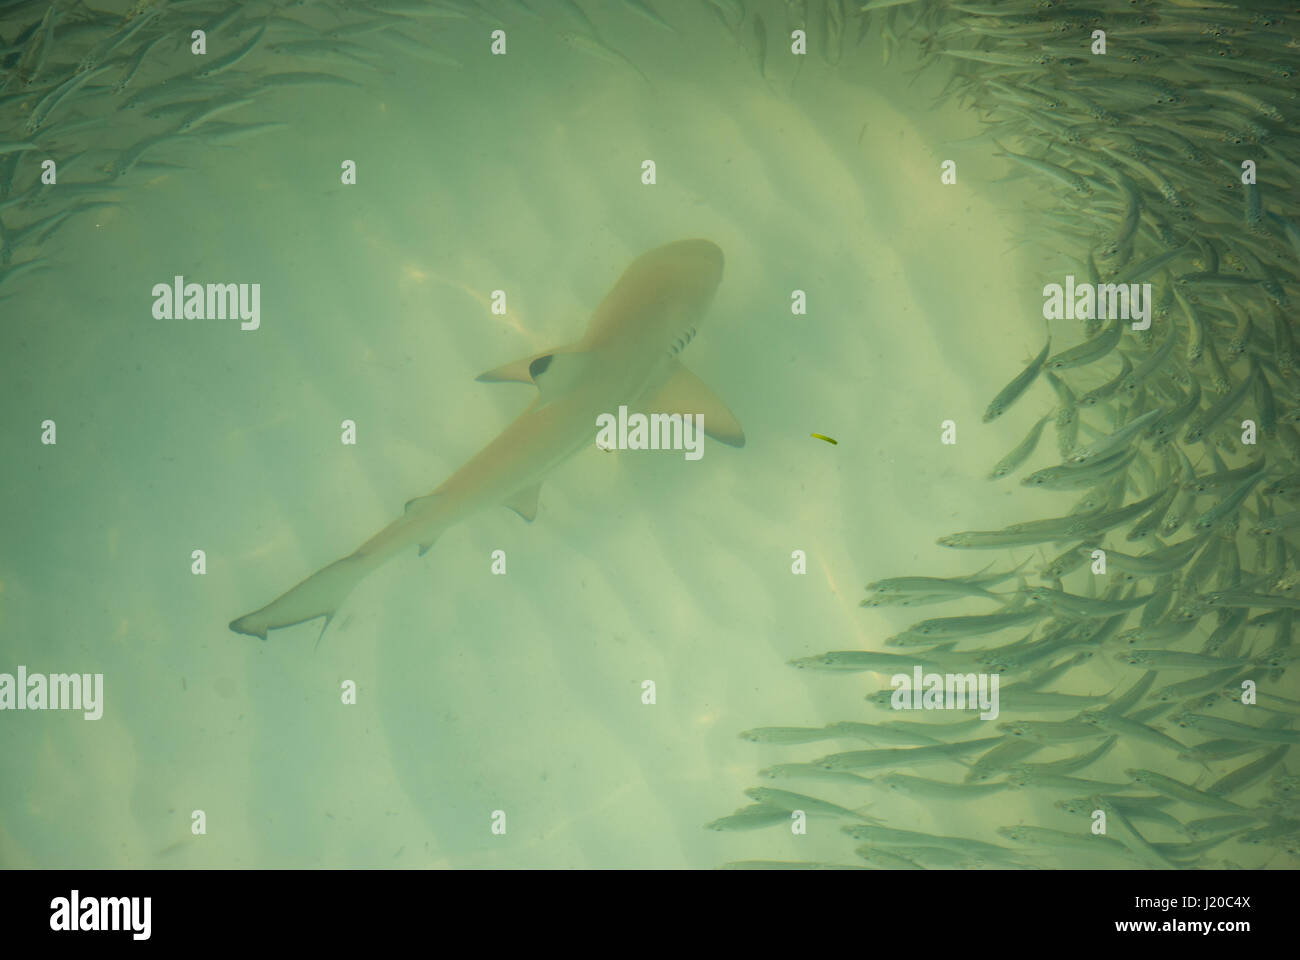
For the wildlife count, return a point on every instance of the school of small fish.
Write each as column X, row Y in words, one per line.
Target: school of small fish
column 1180, row 441
column 116, row 95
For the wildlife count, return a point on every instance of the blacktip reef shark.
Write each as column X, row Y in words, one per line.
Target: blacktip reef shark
column 627, row 356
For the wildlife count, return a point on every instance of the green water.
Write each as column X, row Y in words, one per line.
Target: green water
column 479, row 694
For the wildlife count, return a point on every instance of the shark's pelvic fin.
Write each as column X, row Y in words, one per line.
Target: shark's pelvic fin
column 524, row 502
column 684, row 393
column 417, row 501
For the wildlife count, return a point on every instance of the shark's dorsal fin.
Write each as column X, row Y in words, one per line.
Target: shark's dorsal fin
column 524, row 502
column 684, row 392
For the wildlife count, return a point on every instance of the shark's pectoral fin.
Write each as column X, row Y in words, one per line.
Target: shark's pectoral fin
column 516, row 371
column 524, row 502
column 559, row 372
column 685, row 393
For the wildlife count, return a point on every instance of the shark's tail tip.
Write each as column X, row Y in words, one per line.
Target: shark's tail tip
column 240, row 626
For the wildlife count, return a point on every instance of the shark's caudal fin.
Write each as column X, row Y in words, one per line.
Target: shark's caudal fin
column 320, row 595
